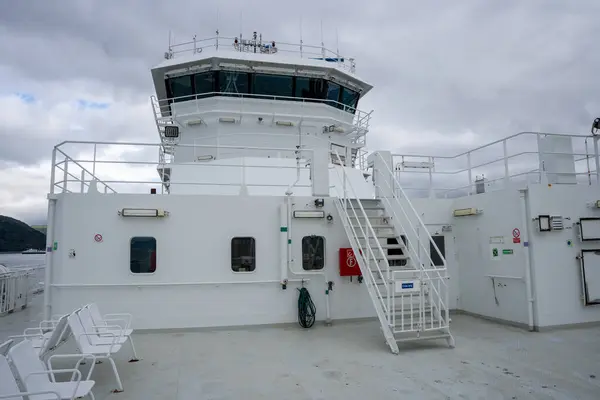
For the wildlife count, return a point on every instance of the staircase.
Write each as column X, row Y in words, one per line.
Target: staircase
column 410, row 295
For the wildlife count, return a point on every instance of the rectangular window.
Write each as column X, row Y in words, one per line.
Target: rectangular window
column 273, row 85
column 333, row 93
column 349, row 99
column 243, row 254
column 310, row 88
column 142, row 255
column 313, row 252
column 204, row 82
column 181, row 86
column 233, row 82
column 441, row 244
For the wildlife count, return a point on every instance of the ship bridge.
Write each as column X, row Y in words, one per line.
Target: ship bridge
column 217, row 94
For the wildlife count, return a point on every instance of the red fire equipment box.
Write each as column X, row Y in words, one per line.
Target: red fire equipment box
column 348, row 264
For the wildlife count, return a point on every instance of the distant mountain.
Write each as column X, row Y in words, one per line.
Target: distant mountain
column 18, row 236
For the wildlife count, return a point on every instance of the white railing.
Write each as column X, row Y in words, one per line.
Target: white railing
column 357, row 225
column 164, row 113
column 260, row 46
column 76, row 174
column 521, row 166
column 18, row 286
column 410, row 224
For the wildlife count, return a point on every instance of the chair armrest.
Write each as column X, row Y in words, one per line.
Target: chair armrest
column 128, row 317
column 125, row 322
column 79, row 357
column 34, row 329
column 23, row 336
column 51, row 372
column 113, row 327
column 96, row 334
column 21, row 394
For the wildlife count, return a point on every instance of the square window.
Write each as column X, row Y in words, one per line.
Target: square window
column 142, row 255
column 243, row 254
column 313, row 252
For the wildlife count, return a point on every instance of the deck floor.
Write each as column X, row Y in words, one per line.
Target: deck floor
column 350, row 360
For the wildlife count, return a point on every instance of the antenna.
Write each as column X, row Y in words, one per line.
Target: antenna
column 322, row 44
column 337, row 43
column 300, row 36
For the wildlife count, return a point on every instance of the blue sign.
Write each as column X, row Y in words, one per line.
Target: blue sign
column 407, row 285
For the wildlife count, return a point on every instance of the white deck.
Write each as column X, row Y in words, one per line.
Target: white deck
column 350, row 360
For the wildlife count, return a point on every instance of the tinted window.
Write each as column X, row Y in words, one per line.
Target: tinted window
column 310, row 88
column 313, row 252
column 181, row 86
column 142, row 255
column 273, row 85
column 349, row 99
column 204, row 82
column 333, row 92
column 243, row 254
column 233, row 82
column 441, row 244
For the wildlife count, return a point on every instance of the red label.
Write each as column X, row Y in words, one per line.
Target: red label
column 516, row 240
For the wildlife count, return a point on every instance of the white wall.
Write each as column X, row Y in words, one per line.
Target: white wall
column 501, row 214
column 194, row 245
column 557, row 274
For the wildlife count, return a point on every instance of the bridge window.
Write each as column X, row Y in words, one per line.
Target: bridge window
column 310, row 88
column 181, row 86
column 243, row 254
column 233, row 82
column 142, row 255
column 204, row 82
column 273, row 85
column 349, row 99
column 333, row 93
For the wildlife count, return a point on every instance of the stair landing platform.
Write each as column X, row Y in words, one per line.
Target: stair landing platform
column 349, row 360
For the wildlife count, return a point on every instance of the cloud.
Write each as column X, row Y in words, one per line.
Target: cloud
column 447, row 75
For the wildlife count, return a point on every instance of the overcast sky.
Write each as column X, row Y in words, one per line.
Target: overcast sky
column 447, row 74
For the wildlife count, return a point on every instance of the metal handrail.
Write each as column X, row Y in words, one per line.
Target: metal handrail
column 370, row 231
column 162, row 107
column 196, row 46
column 431, row 170
column 422, row 225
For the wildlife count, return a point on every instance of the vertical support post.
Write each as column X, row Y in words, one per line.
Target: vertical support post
column 49, row 266
column 470, row 173
column 540, row 158
column 431, row 196
column 65, row 174
column 82, row 181
column 597, row 159
column 94, row 163
column 382, row 170
column 53, row 171
column 506, row 176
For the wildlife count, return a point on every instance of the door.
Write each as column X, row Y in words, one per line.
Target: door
column 443, row 237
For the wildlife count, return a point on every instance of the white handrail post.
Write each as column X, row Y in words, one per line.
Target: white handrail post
column 506, row 176
column 65, row 174
column 94, row 163
column 597, row 159
column 470, row 173
column 431, row 196
column 53, row 171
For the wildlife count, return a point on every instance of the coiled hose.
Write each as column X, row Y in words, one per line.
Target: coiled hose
column 306, row 309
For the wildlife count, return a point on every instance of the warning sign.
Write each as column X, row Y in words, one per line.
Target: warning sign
column 516, row 233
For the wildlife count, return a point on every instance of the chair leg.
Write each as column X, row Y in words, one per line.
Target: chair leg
column 135, row 356
column 91, row 395
column 119, row 384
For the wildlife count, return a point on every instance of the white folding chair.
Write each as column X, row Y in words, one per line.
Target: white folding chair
column 104, row 331
column 4, row 347
column 86, row 345
column 10, row 390
column 37, row 378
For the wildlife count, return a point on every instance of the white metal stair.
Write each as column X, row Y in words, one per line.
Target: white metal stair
column 409, row 295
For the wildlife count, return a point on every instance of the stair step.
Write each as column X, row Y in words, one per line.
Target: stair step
column 376, row 226
column 385, row 245
column 379, row 235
